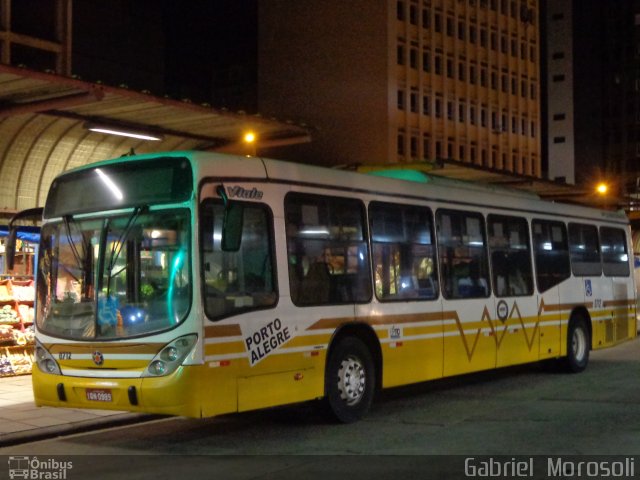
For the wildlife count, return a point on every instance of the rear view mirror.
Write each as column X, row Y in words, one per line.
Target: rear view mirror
column 232, row 222
column 232, row 227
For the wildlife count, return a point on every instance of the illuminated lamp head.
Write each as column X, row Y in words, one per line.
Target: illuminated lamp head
column 132, row 316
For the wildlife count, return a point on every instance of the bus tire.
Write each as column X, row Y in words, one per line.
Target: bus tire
column 349, row 380
column 578, row 345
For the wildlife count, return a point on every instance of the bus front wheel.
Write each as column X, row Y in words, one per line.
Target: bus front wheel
column 350, row 380
column 578, row 345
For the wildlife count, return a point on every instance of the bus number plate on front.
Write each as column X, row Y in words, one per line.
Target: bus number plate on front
column 98, row 395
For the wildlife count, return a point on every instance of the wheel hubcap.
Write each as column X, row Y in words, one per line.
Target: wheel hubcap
column 351, row 380
column 579, row 344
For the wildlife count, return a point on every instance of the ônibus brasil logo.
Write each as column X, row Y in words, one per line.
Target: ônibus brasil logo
column 36, row 469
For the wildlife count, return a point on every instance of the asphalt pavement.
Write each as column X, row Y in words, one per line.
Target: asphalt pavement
column 21, row 421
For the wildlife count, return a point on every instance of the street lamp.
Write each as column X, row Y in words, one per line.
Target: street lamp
column 249, row 139
column 602, row 191
column 602, row 188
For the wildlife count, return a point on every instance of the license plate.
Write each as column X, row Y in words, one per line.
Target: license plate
column 98, row 395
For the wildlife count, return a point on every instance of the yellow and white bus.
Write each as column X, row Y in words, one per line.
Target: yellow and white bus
column 197, row 284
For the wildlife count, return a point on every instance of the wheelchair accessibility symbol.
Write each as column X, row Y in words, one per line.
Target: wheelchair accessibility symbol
column 588, row 291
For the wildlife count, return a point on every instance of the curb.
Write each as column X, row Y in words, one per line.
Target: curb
column 37, row 434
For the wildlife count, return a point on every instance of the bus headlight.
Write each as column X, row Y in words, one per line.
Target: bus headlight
column 157, row 368
column 46, row 362
column 171, row 356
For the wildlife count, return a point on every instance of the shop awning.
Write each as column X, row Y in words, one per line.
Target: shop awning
column 26, row 234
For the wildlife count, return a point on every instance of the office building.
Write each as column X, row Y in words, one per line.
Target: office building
column 592, row 76
column 406, row 80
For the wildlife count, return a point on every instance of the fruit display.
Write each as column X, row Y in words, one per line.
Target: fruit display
column 17, row 334
column 23, row 291
column 26, row 313
column 5, row 366
column 5, row 291
column 30, row 334
column 8, row 315
column 21, row 361
column 6, row 334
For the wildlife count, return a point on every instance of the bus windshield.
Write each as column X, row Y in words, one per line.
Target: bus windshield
column 114, row 277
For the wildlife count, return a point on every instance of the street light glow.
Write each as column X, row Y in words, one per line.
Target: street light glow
column 601, row 188
column 249, row 137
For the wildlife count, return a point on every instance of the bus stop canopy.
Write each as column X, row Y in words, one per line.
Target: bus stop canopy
column 547, row 189
column 45, row 122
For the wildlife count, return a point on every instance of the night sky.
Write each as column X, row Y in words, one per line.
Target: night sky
column 205, row 50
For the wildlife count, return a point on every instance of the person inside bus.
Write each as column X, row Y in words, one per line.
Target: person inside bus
column 473, row 285
column 520, row 280
column 510, row 274
column 407, row 279
column 500, row 264
column 316, row 285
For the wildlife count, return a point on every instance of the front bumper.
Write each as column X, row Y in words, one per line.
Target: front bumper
column 175, row 394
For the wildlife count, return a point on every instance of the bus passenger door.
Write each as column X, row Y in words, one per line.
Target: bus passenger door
column 515, row 318
column 469, row 344
column 553, row 275
column 622, row 308
column 550, row 323
column 598, row 295
column 467, row 305
column 619, row 304
column 517, row 328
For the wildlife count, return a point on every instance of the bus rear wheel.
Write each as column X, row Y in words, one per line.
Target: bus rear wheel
column 578, row 345
column 349, row 380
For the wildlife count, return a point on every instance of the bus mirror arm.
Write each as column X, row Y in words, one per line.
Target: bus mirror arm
column 232, row 223
column 10, row 249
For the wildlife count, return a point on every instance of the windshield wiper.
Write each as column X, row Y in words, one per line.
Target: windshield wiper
column 117, row 247
column 67, row 219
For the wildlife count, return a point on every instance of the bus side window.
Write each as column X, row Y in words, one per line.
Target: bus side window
column 615, row 258
column 326, row 250
column 584, row 249
column 551, row 251
column 462, row 254
column 240, row 280
column 510, row 256
column 404, row 257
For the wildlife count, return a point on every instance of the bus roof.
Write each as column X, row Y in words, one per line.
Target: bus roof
column 392, row 182
column 422, row 177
